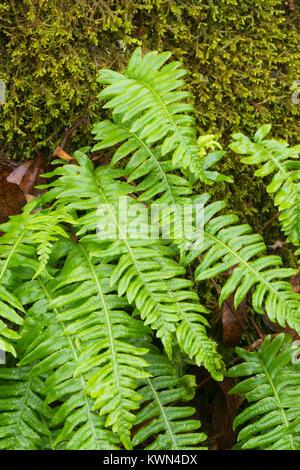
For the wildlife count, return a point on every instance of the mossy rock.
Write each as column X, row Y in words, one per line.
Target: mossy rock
column 243, row 59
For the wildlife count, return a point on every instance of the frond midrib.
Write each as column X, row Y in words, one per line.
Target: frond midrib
column 24, row 399
column 11, row 254
column 165, row 109
column 109, row 329
column 163, row 414
column 284, row 418
column 124, row 239
column 87, row 406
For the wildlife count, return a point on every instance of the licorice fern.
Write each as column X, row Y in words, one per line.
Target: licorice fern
column 161, row 414
column 24, row 234
column 153, row 287
column 147, row 108
column 227, row 245
column 142, row 121
column 89, row 329
column 274, row 389
column 74, row 423
column 277, row 157
column 83, row 291
column 24, row 415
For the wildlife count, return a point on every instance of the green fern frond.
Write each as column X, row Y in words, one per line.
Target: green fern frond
column 148, row 109
column 158, row 183
column 144, row 269
column 274, row 388
column 23, row 414
column 167, row 424
column 46, row 229
column 276, row 157
column 53, row 352
column 226, row 245
column 90, row 330
column 23, row 234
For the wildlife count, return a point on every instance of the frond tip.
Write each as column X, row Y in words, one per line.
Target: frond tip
column 148, row 110
column 274, row 388
column 160, row 420
column 277, row 158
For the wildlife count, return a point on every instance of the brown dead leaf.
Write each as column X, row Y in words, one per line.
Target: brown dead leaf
column 59, row 152
column 295, row 281
column 18, row 173
column 26, row 176
column 233, row 321
column 12, row 198
column 279, row 329
column 223, row 414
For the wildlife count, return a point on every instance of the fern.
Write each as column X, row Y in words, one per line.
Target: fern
column 226, row 246
column 274, row 417
column 134, row 99
column 161, row 416
column 147, row 110
column 23, row 232
column 154, row 287
column 276, row 157
column 24, row 416
column 77, row 425
column 84, row 347
column 82, row 291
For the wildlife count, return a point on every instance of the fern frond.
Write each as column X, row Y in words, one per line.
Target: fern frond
column 274, row 388
column 148, row 109
column 277, row 158
column 226, row 245
column 52, row 352
column 89, row 333
column 24, row 233
column 143, row 268
column 46, row 229
column 22, row 410
column 169, row 426
column 158, row 182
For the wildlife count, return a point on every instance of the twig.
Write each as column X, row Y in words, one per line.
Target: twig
column 33, row 142
column 257, row 329
column 269, row 222
column 69, row 131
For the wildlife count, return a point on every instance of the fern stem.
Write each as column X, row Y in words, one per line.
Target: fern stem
column 109, row 329
column 129, row 249
column 163, row 414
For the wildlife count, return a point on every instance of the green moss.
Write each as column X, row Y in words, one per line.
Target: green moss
column 243, row 58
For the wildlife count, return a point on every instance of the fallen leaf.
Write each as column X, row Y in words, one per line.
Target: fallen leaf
column 233, row 321
column 276, row 328
column 27, row 176
column 223, row 414
column 295, row 281
column 59, row 152
column 18, row 173
column 12, row 198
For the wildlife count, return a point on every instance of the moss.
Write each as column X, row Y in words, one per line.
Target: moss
column 243, row 58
